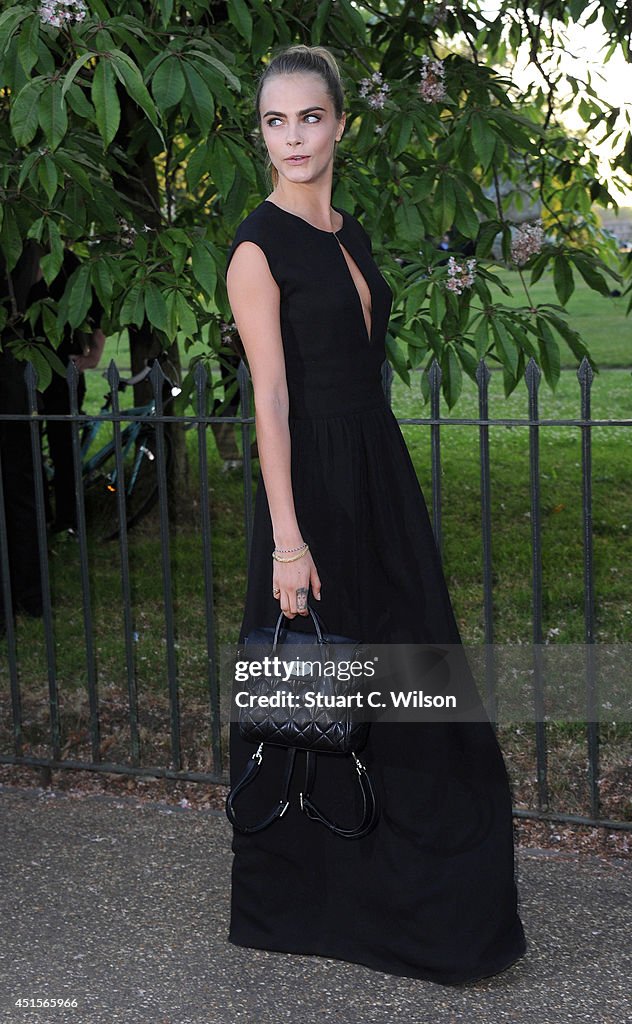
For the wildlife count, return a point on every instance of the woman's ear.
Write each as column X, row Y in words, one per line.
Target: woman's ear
column 341, row 127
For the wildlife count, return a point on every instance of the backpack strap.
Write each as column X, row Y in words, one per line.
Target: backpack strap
column 370, row 812
column 253, row 765
column 250, row 773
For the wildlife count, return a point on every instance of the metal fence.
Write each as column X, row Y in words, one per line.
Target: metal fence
column 123, row 456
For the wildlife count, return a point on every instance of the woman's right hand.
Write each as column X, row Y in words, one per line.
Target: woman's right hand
column 293, row 581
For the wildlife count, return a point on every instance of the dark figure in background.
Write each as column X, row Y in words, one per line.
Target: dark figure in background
column 18, row 470
column 85, row 350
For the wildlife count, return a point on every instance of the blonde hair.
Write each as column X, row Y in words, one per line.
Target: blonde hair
column 301, row 59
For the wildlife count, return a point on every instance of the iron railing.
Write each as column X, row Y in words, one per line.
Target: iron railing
column 435, row 423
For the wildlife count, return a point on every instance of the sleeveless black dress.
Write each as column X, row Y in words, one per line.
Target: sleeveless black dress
column 430, row 893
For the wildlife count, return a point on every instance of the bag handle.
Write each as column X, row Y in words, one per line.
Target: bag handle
column 250, row 773
column 318, row 626
column 369, row 815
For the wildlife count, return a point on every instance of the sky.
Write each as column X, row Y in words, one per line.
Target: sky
column 583, row 55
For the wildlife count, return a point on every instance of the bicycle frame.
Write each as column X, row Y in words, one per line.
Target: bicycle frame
column 129, row 435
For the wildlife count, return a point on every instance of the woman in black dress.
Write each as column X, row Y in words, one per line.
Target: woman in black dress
column 430, row 892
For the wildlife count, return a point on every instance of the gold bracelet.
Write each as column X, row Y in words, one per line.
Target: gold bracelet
column 292, row 558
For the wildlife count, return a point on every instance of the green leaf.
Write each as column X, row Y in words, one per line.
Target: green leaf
column 198, row 164
column 486, row 234
column 199, row 97
column 218, row 65
column 549, row 352
column 186, row 316
column 481, row 337
column 74, row 71
column 79, row 291
column 10, row 238
column 403, row 137
column 36, row 229
column 48, row 177
column 563, row 279
column 222, row 167
column 52, row 114
column 505, row 347
column 204, row 269
column 10, row 20
column 27, row 43
column 465, row 219
column 102, row 282
column 27, row 168
column 25, row 111
column 354, row 19
column 483, row 139
column 437, row 305
column 241, row 18
column 133, row 308
column 129, row 76
column 168, row 83
column 451, row 376
column 408, row 223
column 397, row 355
column 172, row 314
column 106, row 101
column 52, row 261
column 241, row 157
column 53, row 330
column 445, row 200
column 166, row 11
column 592, row 278
column 319, row 22
column 80, row 104
column 75, row 171
column 155, row 306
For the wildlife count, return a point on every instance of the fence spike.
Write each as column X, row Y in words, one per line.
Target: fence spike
column 243, row 375
column 532, row 375
column 157, row 378
column 585, row 372
column 200, row 376
column 72, row 380
column 483, row 373
column 113, row 376
column 30, row 376
column 434, row 374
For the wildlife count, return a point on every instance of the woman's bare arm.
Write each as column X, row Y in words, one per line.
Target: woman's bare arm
column 255, row 302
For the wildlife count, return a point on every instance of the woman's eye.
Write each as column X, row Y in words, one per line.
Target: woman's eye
column 271, row 122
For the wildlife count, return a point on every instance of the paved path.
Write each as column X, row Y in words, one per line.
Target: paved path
column 123, row 907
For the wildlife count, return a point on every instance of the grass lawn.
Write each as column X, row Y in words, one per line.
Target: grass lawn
column 601, row 321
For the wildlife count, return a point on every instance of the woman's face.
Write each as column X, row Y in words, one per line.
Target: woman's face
column 299, row 126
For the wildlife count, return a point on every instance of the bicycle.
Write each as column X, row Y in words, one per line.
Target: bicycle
column 139, row 448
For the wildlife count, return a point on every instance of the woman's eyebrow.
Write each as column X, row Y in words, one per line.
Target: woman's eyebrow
column 301, row 113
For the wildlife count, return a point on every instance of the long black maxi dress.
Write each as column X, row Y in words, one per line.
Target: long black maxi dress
column 430, row 893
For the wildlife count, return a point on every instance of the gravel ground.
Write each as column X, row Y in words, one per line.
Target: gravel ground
column 121, row 904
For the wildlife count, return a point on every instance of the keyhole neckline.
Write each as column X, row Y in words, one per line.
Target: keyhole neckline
column 335, row 234
column 297, row 216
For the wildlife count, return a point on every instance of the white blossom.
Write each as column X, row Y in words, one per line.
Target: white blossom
column 375, row 90
column 460, row 275
column 227, row 330
column 440, row 13
column 527, row 241
column 432, row 85
column 57, row 13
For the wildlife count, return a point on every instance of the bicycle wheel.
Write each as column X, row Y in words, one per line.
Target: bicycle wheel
column 140, row 486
